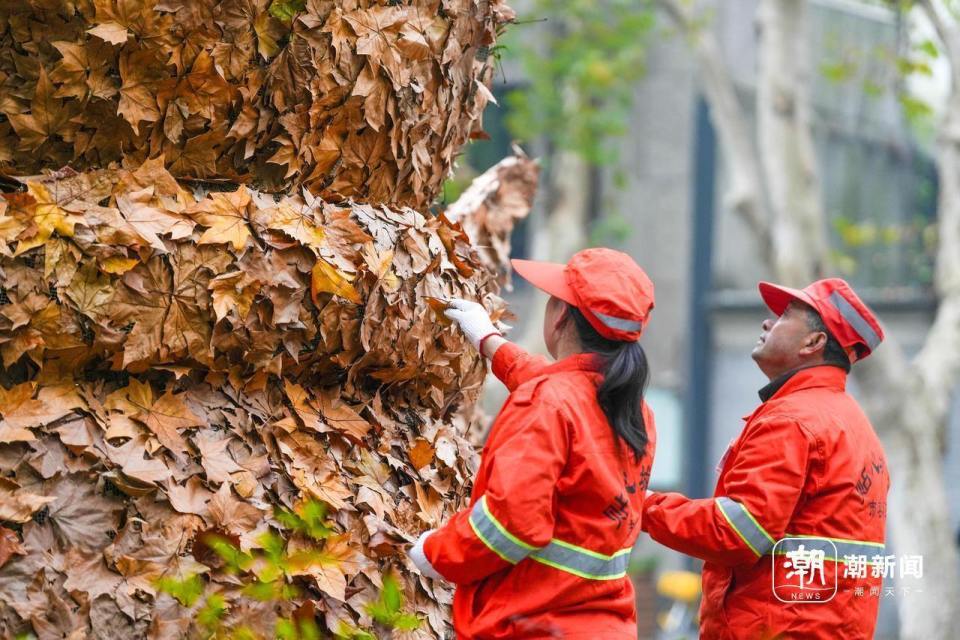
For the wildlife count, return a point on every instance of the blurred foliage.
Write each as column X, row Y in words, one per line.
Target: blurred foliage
column 269, row 571
column 647, row 564
column 882, row 70
column 611, row 230
column 882, row 204
column 582, row 66
column 890, row 253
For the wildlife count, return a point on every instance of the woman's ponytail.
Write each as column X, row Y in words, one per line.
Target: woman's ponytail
column 625, row 377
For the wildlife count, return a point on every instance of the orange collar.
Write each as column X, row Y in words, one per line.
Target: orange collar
column 576, row 362
column 818, row 376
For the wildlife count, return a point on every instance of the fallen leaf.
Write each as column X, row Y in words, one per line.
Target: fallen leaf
column 325, row 278
column 421, row 454
column 225, row 215
column 111, row 32
column 9, row 545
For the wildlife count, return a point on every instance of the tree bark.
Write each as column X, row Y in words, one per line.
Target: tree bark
column 785, row 143
column 744, row 194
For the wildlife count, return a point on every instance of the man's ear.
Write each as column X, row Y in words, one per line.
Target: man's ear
column 562, row 317
column 815, row 342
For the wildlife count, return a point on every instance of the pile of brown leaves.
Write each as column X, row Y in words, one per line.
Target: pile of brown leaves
column 178, row 363
column 366, row 99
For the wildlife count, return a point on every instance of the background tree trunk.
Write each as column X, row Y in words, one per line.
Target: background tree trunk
column 785, row 143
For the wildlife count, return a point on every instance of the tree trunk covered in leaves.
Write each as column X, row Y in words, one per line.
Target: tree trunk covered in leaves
column 225, row 410
column 350, row 98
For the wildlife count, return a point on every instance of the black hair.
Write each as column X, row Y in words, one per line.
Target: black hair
column 833, row 353
column 625, row 377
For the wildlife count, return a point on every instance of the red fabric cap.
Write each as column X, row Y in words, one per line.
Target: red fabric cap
column 607, row 286
column 844, row 314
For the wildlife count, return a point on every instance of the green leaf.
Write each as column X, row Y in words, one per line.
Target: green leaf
column 929, row 47
column 582, row 74
column 308, row 519
column 186, row 591
column 286, row 10
column 243, row 633
column 392, row 598
column 913, row 108
column 386, row 610
column 212, row 611
column 236, row 560
column 348, row 632
column 286, row 630
column 837, row 72
column 406, row 622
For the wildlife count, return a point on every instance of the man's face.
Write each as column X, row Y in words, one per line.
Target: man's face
column 786, row 342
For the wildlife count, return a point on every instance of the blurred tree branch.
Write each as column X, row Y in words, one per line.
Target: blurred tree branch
column 745, row 195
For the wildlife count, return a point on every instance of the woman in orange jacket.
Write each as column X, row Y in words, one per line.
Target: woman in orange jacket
column 542, row 549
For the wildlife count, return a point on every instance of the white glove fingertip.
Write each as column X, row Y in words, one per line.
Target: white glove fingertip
column 419, row 557
column 459, row 304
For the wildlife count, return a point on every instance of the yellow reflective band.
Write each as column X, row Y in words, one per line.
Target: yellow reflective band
column 495, row 535
column 558, row 554
column 746, row 526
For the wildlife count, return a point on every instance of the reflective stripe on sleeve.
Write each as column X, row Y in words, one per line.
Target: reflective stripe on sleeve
column 829, row 546
column 495, row 535
column 583, row 562
column 557, row 554
column 746, row 526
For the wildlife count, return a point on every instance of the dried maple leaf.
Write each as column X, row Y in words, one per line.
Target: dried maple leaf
column 225, row 215
column 19, row 505
column 47, row 216
column 217, row 462
column 47, row 117
column 20, row 410
column 110, row 32
column 325, row 278
column 196, row 355
column 135, row 464
column 9, row 545
column 192, row 497
column 232, row 515
column 421, row 454
column 329, row 565
column 278, row 94
column 165, row 417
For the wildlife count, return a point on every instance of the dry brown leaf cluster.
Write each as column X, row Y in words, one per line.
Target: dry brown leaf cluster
column 178, row 363
column 365, row 99
column 492, row 205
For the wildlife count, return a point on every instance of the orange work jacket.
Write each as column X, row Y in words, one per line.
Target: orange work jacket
column 804, row 486
column 542, row 550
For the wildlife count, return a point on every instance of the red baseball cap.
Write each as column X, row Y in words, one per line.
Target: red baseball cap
column 607, row 286
column 844, row 314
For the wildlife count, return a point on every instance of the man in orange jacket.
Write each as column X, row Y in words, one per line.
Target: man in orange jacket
column 793, row 538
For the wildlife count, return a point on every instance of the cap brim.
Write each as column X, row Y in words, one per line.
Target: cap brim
column 777, row 297
column 546, row 276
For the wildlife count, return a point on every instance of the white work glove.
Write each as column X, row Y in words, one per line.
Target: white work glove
column 420, row 558
column 473, row 319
